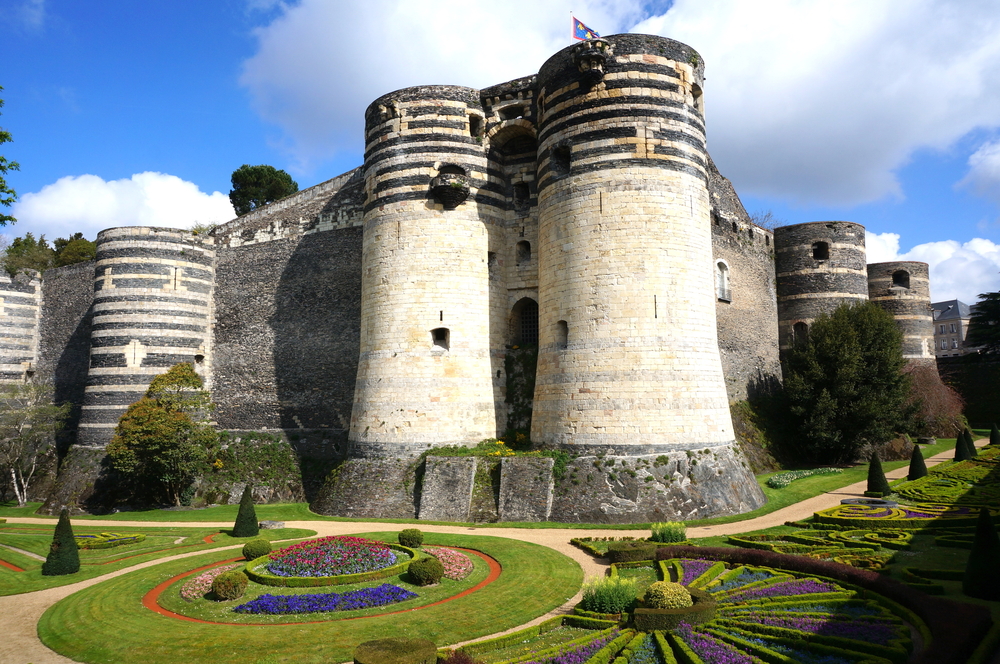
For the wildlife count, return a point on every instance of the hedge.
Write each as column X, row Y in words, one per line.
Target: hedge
column 266, row 579
column 665, row 650
column 479, row 647
column 649, row 620
column 106, row 540
column 895, row 653
column 608, row 652
column 773, row 657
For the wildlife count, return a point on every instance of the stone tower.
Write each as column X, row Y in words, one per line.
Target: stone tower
column 425, row 373
column 818, row 266
column 20, row 309
column 152, row 308
column 628, row 354
column 903, row 289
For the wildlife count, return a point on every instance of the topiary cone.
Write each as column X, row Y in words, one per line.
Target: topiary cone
column 994, row 435
column 918, row 468
column 982, row 573
column 970, row 444
column 246, row 518
column 876, row 477
column 961, row 449
column 64, row 555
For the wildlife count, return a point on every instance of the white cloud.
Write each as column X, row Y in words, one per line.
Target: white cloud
column 319, row 64
column 984, row 171
column 88, row 204
column 957, row 271
column 820, row 102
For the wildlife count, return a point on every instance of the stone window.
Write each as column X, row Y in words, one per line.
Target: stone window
column 800, row 332
column 821, row 251
column 722, row 291
column 954, row 343
column 492, row 265
column 942, row 329
column 475, row 125
column 944, row 344
column 561, row 159
column 562, row 334
column 451, row 169
column 696, row 95
column 952, row 327
column 522, row 253
column 441, row 337
column 512, row 112
column 901, row 279
column 736, row 228
column 524, row 322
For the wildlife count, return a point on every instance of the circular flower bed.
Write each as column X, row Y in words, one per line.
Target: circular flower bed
column 457, row 565
column 365, row 598
column 330, row 561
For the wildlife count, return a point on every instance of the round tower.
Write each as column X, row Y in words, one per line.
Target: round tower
column 818, row 266
column 152, row 309
column 902, row 288
column 628, row 355
column 424, row 375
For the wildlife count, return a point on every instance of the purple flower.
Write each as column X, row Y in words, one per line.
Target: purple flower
column 794, row 587
column 711, row 649
column 313, row 603
column 692, row 569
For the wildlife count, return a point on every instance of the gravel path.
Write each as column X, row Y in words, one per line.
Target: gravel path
column 20, row 613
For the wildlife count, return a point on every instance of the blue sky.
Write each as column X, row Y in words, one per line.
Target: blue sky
column 886, row 113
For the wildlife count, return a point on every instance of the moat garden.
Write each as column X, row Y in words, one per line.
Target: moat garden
column 896, row 578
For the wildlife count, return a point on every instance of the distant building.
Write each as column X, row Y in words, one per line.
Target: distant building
column 951, row 324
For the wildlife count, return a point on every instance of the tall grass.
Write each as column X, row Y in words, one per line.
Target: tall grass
column 670, row 532
column 613, row 594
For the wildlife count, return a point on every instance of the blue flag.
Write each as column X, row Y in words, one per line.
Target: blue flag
column 580, row 31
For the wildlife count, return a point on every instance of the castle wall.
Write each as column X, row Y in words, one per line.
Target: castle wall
column 20, row 308
column 902, row 288
column 819, row 266
column 746, row 309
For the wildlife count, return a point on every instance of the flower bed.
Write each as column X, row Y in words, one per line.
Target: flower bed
column 457, row 565
column 199, row 586
column 318, row 602
column 330, row 561
column 902, row 517
column 781, row 480
column 106, row 540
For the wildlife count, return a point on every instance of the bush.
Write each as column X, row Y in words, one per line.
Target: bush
column 994, row 435
column 877, row 483
column 426, row 571
column 396, row 651
column 667, row 595
column 230, row 585
column 961, row 449
column 256, row 548
column 246, row 518
column 626, row 552
column 982, row 572
column 64, row 555
column 459, row 657
column 670, row 532
column 939, row 407
column 411, row 537
column 918, row 468
column 612, row 594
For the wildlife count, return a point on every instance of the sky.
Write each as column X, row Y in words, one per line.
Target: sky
column 885, row 113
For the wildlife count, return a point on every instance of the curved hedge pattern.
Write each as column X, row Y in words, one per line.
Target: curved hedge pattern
column 106, row 540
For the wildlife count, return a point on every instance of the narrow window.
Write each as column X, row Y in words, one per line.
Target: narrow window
column 767, row 241
column 942, row 329
column 722, row 282
column 697, row 98
column 521, row 193
column 736, row 228
column 512, row 112
column 901, row 279
column 944, row 344
column 821, row 251
column 800, row 332
column 475, row 126
column 451, row 169
column 198, row 359
column 954, row 343
column 523, row 252
column 492, row 265
column 440, row 336
column 561, row 159
column 562, row 334
column 952, row 326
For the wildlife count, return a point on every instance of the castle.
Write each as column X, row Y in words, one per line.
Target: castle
column 558, row 249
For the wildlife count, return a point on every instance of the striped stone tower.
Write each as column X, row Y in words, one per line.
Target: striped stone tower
column 903, row 289
column 628, row 356
column 818, row 266
column 152, row 309
column 20, row 304
column 424, row 374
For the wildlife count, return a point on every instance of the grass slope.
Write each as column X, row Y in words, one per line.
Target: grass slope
column 106, row 623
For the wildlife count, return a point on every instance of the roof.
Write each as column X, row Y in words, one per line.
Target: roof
column 951, row 310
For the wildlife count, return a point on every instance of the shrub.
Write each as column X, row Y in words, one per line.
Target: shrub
column 918, row 468
column 426, row 571
column 256, row 548
column 994, row 435
column 982, row 572
column 459, row 657
column 970, row 444
column 246, row 518
column 396, row 651
column 670, row 532
column 961, row 449
column 64, row 556
column 230, row 585
column 667, row 595
column 612, row 594
column 411, row 537
column 625, row 552
column 877, row 483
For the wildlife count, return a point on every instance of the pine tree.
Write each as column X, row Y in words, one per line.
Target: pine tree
column 877, row 483
column 994, row 435
column 961, row 449
column 982, row 572
column 246, row 518
column 64, row 555
column 918, row 468
column 970, row 443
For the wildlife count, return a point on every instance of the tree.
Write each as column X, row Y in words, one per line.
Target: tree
column 254, row 186
column 64, row 554
column 982, row 573
column 164, row 439
column 918, row 468
column 984, row 324
column 28, row 253
column 28, row 424
column 877, row 483
column 844, row 386
column 7, row 195
column 246, row 519
column 76, row 249
column 970, row 444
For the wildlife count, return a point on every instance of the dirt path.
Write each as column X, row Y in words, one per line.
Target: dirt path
column 19, row 614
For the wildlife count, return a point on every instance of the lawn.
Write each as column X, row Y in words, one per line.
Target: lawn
column 105, row 623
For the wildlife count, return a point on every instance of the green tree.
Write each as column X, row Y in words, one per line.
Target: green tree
column 28, row 253
column 877, row 483
column 254, row 186
column 7, row 195
column 844, row 386
column 984, row 325
column 28, row 424
column 64, row 554
column 246, row 519
column 164, row 440
column 75, row 249
column 982, row 573
column 918, row 468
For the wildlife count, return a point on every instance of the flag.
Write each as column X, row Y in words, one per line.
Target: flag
column 580, row 31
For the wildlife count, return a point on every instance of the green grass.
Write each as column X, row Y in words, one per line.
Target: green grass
column 106, row 623
column 159, row 543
